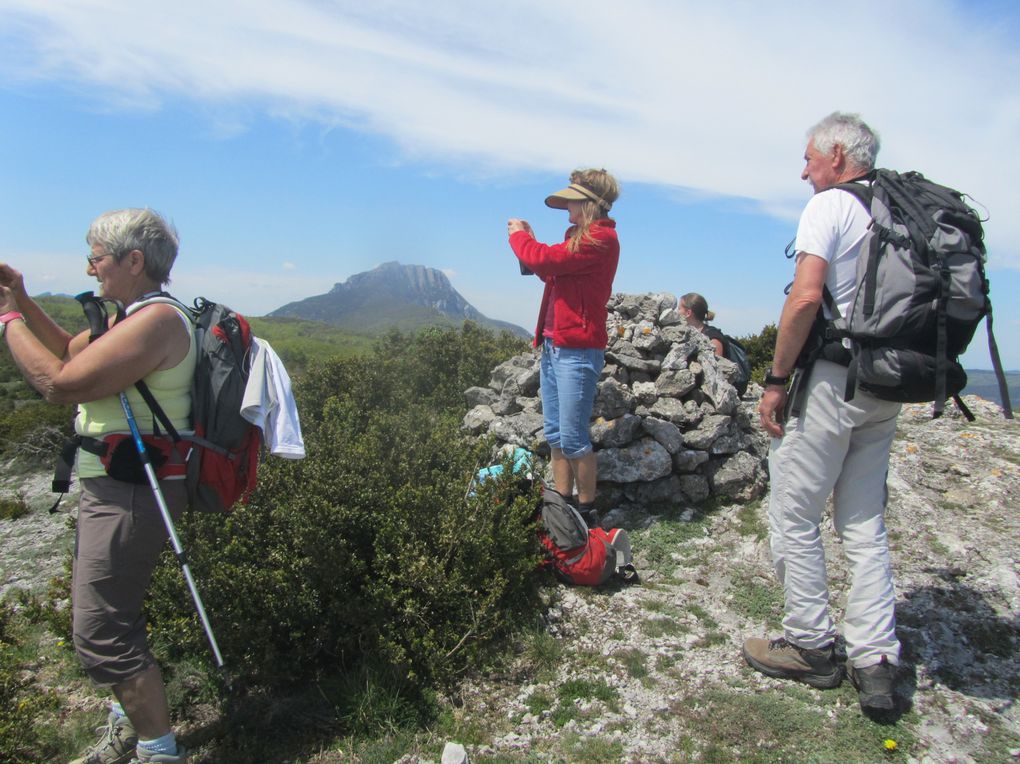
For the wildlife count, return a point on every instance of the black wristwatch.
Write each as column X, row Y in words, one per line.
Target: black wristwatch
column 772, row 379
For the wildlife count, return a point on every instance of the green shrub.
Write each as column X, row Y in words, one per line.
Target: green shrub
column 35, row 430
column 367, row 558
column 22, row 702
column 13, row 507
column 759, row 349
column 52, row 608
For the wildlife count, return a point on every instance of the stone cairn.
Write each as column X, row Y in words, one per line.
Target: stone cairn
column 668, row 426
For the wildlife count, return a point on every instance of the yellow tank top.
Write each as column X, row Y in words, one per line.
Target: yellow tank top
column 171, row 387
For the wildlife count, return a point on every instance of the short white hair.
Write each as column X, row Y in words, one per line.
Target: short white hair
column 121, row 231
column 860, row 143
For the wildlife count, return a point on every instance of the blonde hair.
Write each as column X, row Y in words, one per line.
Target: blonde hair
column 697, row 305
column 603, row 185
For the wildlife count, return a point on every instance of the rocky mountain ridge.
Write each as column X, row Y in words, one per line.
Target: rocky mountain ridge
column 392, row 293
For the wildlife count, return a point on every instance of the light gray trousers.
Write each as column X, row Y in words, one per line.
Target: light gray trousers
column 839, row 448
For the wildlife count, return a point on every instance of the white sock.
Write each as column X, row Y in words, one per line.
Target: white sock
column 166, row 744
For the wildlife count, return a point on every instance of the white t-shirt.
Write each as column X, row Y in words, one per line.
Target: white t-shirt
column 832, row 226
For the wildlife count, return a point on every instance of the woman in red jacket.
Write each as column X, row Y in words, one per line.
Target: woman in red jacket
column 578, row 276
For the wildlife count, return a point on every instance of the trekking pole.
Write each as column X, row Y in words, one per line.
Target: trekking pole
column 171, row 531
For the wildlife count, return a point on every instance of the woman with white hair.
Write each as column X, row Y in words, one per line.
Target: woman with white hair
column 120, row 530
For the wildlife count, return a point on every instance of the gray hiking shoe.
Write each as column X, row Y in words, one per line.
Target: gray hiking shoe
column 784, row 660
column 875, row 686
column 116, row 746
column 143, row 756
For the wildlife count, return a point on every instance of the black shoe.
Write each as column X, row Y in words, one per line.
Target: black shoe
column 875, row 686
column 589, row 514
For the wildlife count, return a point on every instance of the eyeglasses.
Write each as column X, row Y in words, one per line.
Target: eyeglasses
column 93, row 259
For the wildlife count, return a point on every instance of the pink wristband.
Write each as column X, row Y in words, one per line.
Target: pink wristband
column 10, row 316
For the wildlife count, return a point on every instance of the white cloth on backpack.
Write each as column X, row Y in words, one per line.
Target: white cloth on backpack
column 833, row 226
column 269, row 403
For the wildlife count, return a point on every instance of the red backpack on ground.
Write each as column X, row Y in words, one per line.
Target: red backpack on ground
column 580, row 555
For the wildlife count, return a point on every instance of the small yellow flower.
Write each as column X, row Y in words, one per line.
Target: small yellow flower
column 890, row 744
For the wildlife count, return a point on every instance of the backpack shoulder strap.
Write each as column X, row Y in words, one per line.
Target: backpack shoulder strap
column 168, row 299
column 863, row 192
column 140, row 386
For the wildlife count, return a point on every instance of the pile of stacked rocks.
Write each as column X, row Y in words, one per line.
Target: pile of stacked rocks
column 668, row 426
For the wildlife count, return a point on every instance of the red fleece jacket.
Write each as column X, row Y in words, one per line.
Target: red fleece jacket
column 582, row 282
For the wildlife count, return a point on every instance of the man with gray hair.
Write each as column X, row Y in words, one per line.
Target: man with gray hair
column 829, row 446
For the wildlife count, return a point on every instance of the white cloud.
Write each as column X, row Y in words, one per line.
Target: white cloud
column 713, row 98
column 289, row 266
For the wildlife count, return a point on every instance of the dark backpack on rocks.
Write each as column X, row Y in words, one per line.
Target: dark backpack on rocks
column 921, row 293
column 736, row 353
column 733, row 351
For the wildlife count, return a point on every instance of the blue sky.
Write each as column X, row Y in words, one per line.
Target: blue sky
column 297, row 142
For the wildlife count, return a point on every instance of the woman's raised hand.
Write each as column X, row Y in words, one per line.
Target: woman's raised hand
column 516, row 224
column 13, row 281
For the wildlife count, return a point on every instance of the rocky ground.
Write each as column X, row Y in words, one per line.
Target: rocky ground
column 652, row 672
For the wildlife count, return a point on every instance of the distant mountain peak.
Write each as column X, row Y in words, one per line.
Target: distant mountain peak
column 391, row 294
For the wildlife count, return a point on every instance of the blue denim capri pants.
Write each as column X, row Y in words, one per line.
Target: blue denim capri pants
column 568, row 378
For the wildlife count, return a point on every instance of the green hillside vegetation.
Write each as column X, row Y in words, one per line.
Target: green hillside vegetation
column 300, row 342
column 380, row 316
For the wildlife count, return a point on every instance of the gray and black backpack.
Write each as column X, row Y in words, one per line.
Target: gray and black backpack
column 921, row 293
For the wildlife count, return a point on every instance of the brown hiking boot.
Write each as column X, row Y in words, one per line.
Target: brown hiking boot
column 116, row 746
column 875, row 686
column 784, row 660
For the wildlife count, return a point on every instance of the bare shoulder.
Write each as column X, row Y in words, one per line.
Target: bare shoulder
column 158, row 319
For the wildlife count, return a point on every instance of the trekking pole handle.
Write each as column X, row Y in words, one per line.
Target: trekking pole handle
column 95, row 314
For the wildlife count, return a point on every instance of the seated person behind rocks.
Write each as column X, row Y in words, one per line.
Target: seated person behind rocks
column 694, row 308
